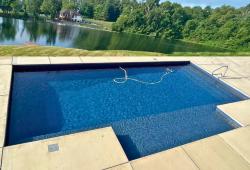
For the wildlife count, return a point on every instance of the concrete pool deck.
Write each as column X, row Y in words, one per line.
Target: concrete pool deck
column 100, row 148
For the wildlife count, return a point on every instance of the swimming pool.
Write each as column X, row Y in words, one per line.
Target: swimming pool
column 158, row 107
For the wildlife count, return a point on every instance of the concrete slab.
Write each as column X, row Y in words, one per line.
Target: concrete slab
column 166, row 58
column 240, row 60
column 125, row 166
column 235, row 63
column 202, row 60
column 171, row 159
column 95, row 59
column 239, row 140
column 3, row 117
column 239, row 111
column 117, row 59
column 3, row 124
column 218, row 69
column 238, row 75
column 5, row 79
column 5, row 60
column 1, row 151
column 3, row 106
column 130, row 59
column 65, row 60
column 242, row 71
column 241, row 84
column 211, row 67
column 214, row 153
column 96, row 149
column 223, row 60
column 30, row 60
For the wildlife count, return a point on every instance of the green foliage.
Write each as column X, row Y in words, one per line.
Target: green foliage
column 161, row 20
column 5, row 5
column 98, row 12
column 190, row 27
column 225, row 26
column 16, row 6
column 51, row 7
column 108, row 10
column 111, row 10
column 69, row 4
column 33, row 7
column 87, row 9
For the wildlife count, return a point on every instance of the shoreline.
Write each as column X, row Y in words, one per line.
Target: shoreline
column 75, row 24
column 37, row 50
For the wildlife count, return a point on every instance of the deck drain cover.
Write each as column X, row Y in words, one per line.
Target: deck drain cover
column 53, row 147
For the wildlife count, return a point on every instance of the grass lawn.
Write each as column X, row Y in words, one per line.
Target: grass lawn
column 34, row 50
column 106, row 25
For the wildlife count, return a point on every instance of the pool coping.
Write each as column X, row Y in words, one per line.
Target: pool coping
column 150, row 60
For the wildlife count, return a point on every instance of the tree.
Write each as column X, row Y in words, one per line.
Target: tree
column 16, row 6
column 8, row 29
column 157, row 22
column 51, row 7
column 33, row 7
column 128, row 5
column 224, row 26
column 87, row 9
column 69, row 4
column 150, row 4
column 121, row 23
column 190, row 28
column 6, row 5
column 179, row 19
column 98, row 12
column 111, row 10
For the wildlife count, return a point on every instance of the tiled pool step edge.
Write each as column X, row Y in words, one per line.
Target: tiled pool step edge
column 228, row 150
column 238, row 111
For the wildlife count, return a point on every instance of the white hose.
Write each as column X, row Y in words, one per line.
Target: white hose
column 126, row 78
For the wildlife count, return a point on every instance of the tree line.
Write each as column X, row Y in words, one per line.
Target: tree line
column 225, row 26
column 108, row 10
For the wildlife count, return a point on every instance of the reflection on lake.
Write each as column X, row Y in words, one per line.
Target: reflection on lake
column 15, row 31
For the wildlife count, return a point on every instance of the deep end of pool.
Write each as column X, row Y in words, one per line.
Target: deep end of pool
column 151, row 106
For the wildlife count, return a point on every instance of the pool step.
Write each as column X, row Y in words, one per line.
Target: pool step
column 167, row 130
column 238, row 111
column 228, row 150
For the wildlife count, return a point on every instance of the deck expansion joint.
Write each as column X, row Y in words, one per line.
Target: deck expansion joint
column 49, row 60
column 189, row 157
column 234, row 148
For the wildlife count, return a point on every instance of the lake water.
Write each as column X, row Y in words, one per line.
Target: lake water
column 16, row 31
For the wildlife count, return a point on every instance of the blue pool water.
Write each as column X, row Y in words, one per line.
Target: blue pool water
column 146, row 118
